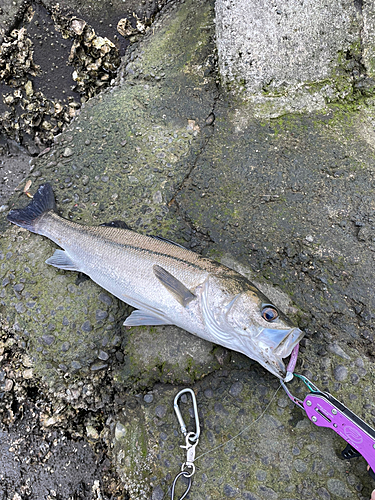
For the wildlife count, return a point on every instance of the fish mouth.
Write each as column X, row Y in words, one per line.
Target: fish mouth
column 275, row 345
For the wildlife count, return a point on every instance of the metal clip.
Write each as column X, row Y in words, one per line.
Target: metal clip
column 193, row 435
column 190, row 454
column 191, row 441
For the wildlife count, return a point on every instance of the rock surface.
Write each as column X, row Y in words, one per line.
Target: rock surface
column 296, row 55
column 289, row 200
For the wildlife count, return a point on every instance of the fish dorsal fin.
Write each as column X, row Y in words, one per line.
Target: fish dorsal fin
column 116, row 223
column 167, row 241
column 142, row 318
column 179, row 291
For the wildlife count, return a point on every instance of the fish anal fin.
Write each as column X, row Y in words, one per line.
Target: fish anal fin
column 174, row 286
column 62, row 260
column 143, row 318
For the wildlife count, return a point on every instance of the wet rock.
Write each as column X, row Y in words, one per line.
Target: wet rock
column 340, row 373
column 48, row 339
column 274, row 171
column 299, row 465
column 336, row 349
column 160, row 411
column 148, row 398
column 236, row 389
column 229, row 491
column 67, row 152
column 337, row 487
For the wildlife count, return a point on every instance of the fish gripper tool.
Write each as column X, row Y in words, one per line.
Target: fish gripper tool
column 326, row 411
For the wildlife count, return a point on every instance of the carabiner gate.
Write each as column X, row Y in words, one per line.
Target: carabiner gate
column 193, row 436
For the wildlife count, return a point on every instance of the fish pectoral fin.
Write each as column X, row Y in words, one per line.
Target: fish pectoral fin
column 143, row 318
column 179, row 291
column 62, row 260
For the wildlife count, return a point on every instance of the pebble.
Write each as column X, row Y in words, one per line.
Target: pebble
column 323, row 493
column 103, row 355
column 340, row 373
column 148, row 398
column 158, row 493
column 236, row 389
column 48, row 339
column 229, row 491
column 67, row 152
column 76, row 365
column 282, row 402
column 86, row 327
column 85, row 180
column 261, row 475
column 20, row 308
column 27, row 374
column 336, row 349
column 106, row 299
column 92, row 432
column 337, row 487
column 299, row 465
column 98, row 366
column 247, row 495
column 210, row 119
column 99, row 314
column 8, row 385
column 65, row 346
column 209, row 393
column 120, row 431
column 160, row 411
column 360, row 363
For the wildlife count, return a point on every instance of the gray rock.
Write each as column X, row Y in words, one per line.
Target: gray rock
column 337, row 487
column 157, row 494
column 323, row 493
column 160, row 411
column 340, row 373
column 299, row 465
column 103, row 355
column 236, row 389
column 229, row 491
column 48, row 339
column 273, row 52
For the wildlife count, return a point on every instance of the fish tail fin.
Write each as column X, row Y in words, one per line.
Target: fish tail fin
column 43, row 201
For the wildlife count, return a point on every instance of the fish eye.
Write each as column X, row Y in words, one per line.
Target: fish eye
column 270, row 313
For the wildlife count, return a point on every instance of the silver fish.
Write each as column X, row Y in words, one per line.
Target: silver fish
column 166, row 283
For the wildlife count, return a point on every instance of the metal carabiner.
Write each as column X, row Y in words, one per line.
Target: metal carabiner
column 193, row 436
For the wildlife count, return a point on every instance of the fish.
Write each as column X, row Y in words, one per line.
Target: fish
column 166, row 283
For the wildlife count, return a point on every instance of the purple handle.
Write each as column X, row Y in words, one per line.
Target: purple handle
column 344, row 422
